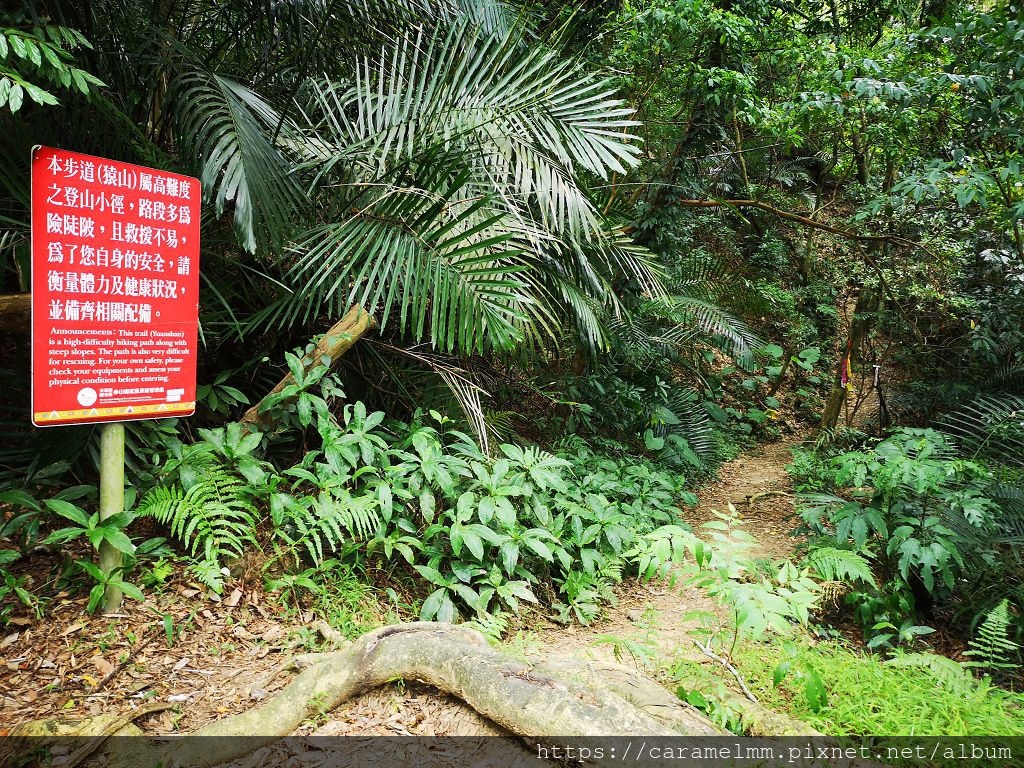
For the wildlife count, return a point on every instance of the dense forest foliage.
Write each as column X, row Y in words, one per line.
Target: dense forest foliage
column 582, row 253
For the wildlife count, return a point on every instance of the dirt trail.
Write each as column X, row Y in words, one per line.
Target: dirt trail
column 653, row 615
column 758, row 486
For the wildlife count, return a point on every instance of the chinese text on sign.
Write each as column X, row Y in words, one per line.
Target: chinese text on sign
column 115, row 290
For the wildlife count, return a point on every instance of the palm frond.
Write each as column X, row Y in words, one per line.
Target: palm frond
column 228, row 129
column 529, row 120
column 991, row 425
column 466, row 392
column 492, row 16
column 694, row 424
column 438, row 269
column 451, row 169
column 1008, row 379
column 727, row 332
column 1010, row 498
column 840, row 565
column 572, row 293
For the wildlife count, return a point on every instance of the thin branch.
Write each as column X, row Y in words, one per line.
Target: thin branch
column 801, row 219
column 124, row 663
column 706, row 650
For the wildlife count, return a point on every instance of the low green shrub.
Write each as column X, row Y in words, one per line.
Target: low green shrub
column 929, row 521
column 476, row 534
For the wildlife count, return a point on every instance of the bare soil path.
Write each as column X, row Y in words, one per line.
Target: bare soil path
column 76, row 665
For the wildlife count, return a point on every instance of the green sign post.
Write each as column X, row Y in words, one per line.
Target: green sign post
column 111, row 503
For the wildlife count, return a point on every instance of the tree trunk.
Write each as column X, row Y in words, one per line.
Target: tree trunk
column 787, row 358
column 336, row 342
column 932, row 9
column 863, row 315
column 860, row 157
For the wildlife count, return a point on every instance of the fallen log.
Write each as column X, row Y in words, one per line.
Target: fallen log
column 332, row 345
column 15, row 311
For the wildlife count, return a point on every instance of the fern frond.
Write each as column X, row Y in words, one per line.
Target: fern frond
column 208, row 573
column 490, row 625
column 322, row 525
column 215, row 516
column 950, row 674
column 840, row 565
column 992, row 646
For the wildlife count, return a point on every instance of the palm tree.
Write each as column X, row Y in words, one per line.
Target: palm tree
column 429, row 160
column 451, row 175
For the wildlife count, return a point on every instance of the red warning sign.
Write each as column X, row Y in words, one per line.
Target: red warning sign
column 115, row 290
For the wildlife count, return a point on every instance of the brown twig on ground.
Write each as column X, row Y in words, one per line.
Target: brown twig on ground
column 124, row 663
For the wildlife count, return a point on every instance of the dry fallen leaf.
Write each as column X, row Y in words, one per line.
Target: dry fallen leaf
column 273, row 632
column 72, row 629
column 104, row 666
column 233, row 598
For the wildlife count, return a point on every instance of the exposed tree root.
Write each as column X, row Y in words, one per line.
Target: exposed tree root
column 564, row 697
column 539, row 702
column 759, row 721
